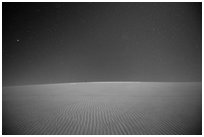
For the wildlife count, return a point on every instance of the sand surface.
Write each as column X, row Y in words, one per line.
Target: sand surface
column 128, row 108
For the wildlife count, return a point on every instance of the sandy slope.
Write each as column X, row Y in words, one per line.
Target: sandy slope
column 103, row 108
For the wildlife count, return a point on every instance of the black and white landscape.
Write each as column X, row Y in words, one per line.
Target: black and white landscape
column 122, row 68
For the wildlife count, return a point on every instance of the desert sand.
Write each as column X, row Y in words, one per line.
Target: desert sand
column 103, row 108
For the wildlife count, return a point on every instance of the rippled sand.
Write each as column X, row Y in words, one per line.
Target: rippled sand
column 103, row 108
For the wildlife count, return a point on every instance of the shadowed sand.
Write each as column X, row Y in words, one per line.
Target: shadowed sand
column 104, row 108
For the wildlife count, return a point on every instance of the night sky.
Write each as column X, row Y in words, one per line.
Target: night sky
column 81, row 42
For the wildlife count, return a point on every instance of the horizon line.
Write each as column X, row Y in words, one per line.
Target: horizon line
column 105, row 82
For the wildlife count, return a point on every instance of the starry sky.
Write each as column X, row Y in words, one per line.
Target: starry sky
column 81, row 42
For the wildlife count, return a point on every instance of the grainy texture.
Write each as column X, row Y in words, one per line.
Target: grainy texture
column 103, row 108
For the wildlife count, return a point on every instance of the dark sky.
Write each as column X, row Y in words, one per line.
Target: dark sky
column 77, row 42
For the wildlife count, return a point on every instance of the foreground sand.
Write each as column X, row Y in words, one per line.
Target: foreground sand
column 103, row 108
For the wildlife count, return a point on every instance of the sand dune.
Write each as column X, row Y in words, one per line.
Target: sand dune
column 104, row 108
